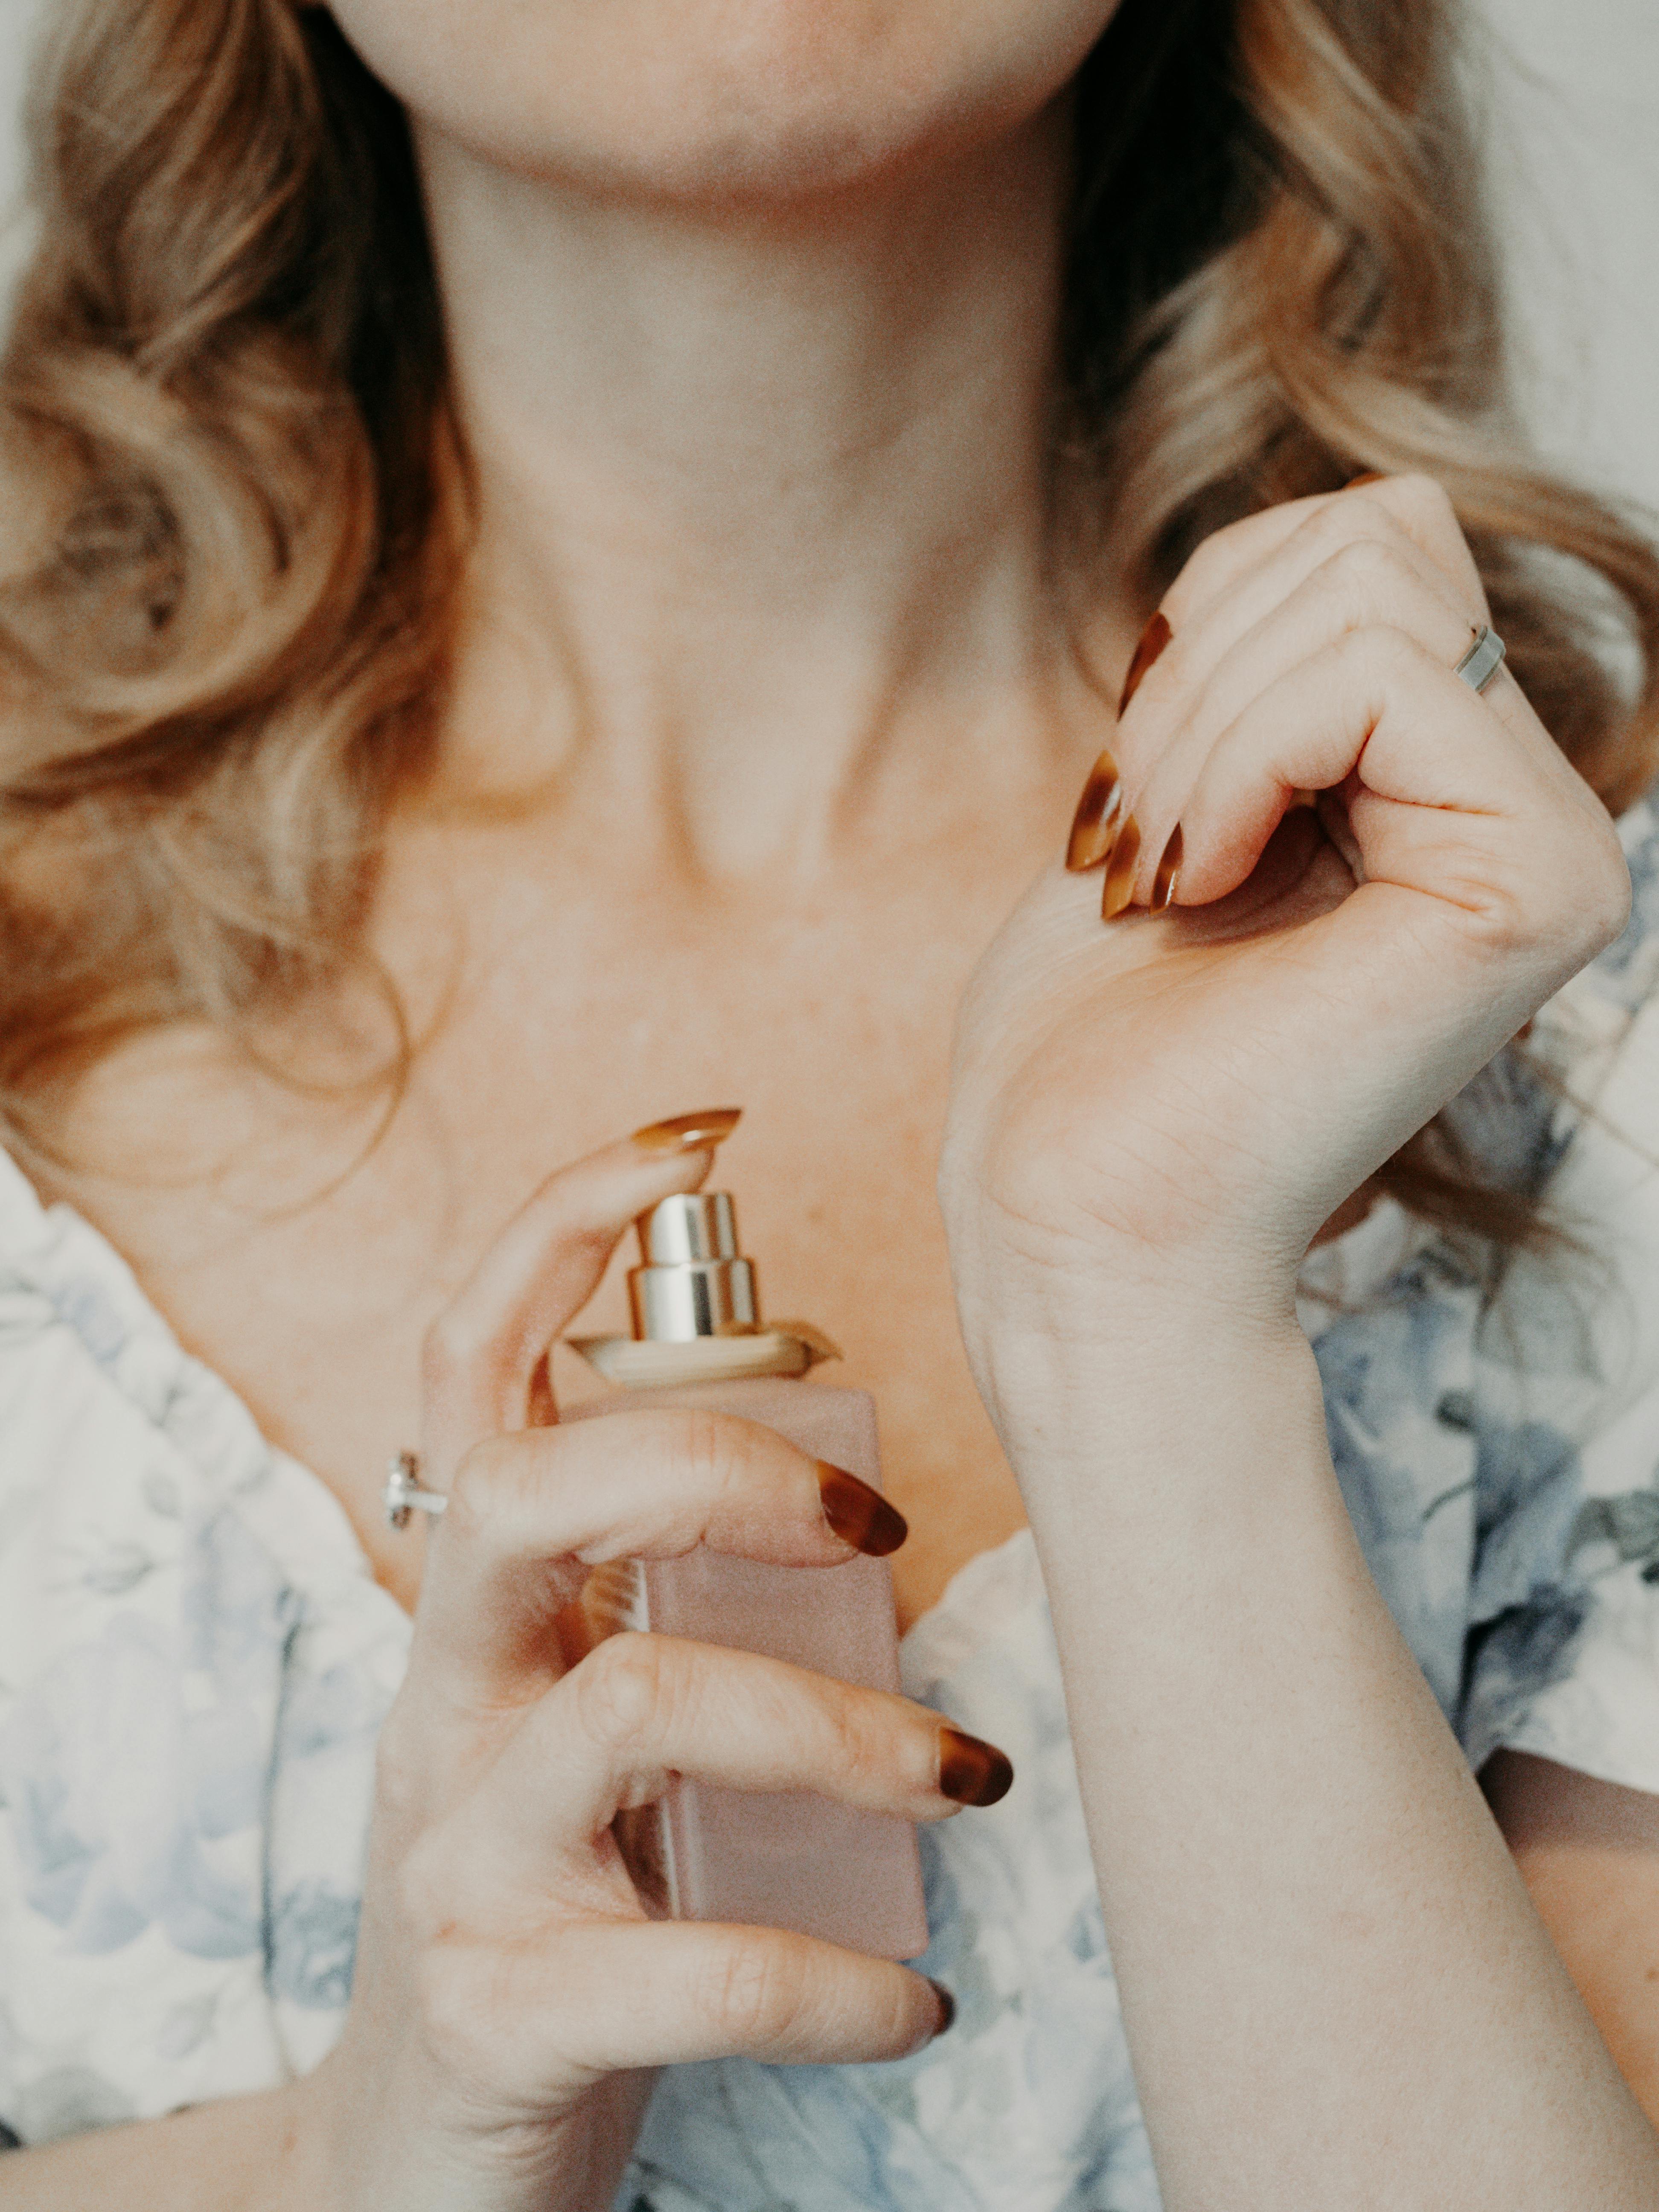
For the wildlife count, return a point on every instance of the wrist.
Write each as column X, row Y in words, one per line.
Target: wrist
column 1179, row 1396
column 374, row 2138
column 1048, row 1274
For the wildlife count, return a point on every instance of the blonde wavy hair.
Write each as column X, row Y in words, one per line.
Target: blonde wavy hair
column 241, row 506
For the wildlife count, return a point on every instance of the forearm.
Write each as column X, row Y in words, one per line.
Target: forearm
column 243, row 2154
column 1335, row 1986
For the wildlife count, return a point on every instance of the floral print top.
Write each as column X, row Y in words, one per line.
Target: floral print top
column 195, row 1659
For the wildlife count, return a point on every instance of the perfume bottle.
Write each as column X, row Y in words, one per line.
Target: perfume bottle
column 782, row 1859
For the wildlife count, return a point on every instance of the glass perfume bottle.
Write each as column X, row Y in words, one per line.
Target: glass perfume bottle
column 783, row 1859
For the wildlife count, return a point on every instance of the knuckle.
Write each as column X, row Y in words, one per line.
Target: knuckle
column 713, row 1452
column 475, row 1493
column 1207, row 567
column 1376, row 652
column 864, row 1735
column 1333, row 527
column 450, row 1345
column 759, row 1991
column 629, row 1691
column 1501, row 916
column 1367, row 570
column 498, row 1481
column 1426, row 495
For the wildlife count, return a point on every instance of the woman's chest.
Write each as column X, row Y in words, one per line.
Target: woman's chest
column 303, row 1257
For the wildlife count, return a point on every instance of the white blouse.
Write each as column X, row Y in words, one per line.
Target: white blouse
column 195, row 1660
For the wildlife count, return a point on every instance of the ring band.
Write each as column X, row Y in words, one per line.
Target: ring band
column 1483, row 659
column 404, row 1495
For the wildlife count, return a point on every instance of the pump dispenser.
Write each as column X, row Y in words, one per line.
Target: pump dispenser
column 783, row 1859
column 695, row 1282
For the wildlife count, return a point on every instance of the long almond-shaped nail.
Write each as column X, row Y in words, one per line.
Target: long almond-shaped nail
column 1153, row 638
column 1163, row 882
column 859, row 1515
column 971, row 1771
column 690, row 1133
column 1121, row 875
column 1094, row 826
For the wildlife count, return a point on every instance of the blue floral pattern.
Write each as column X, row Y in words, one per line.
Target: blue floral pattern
column 195, row 1662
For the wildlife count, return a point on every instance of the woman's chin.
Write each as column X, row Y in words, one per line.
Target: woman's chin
column 772, row 101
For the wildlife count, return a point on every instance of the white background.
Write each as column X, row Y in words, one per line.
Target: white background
column 1575, row 87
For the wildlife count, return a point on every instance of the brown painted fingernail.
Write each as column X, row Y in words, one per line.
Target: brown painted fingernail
column 690, row 1133
column 859, row 1515
column 1164, row 883
column 1370, row 475
column 1121, row 875
column 971, row 1771
column 1094, row 826
column 947, row 2005
column 1153, row 638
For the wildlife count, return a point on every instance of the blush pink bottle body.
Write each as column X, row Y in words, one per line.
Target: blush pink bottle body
column 788, row 1859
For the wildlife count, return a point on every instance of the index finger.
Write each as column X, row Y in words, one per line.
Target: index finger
column 482, row 1356
column 1417, row 504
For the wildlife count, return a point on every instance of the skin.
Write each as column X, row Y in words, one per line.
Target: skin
column 763, row 705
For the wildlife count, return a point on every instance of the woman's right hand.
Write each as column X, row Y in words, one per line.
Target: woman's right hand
column 511, row 1996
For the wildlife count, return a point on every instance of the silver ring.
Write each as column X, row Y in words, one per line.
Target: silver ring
column 1483, row 659
column 404, row 1495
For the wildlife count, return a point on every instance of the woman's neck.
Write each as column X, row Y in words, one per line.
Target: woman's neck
column 762, row 496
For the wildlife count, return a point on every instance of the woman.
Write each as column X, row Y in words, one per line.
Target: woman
column 620, row 622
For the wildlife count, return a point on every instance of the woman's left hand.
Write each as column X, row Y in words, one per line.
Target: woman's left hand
column 1150, row 1121
column 1154, row 1117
